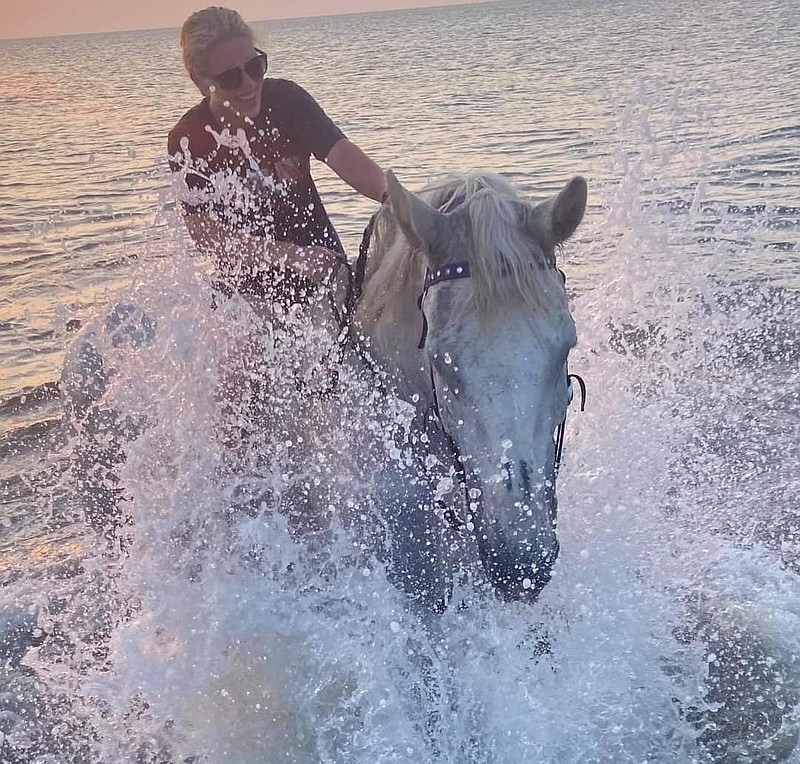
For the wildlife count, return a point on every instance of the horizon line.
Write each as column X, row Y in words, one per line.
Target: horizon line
column 259, row 21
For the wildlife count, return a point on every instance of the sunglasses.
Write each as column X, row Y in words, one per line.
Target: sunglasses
column 231, row 79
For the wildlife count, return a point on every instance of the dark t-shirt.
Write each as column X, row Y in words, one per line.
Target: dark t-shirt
column 258, row 179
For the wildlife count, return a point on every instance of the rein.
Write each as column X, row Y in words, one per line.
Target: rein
column 355, row 286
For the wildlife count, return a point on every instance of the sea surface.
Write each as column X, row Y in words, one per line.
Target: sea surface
column 671, row 629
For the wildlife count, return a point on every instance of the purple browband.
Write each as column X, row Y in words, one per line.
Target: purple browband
column 447, row 272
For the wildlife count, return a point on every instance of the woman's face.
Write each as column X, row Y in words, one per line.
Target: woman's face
column 244, row 98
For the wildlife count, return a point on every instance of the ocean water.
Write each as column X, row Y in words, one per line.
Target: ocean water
column 671, row 629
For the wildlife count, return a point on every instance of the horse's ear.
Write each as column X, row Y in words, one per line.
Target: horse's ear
column 417, row 219
column 566, row 209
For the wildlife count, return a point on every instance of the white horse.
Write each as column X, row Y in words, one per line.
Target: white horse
column 466, row 315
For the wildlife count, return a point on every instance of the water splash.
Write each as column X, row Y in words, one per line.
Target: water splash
column 231, row 623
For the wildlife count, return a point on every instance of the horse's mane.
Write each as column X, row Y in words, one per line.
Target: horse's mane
column 506, row 257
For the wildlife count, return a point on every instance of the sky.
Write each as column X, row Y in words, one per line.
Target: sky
column 39, row 18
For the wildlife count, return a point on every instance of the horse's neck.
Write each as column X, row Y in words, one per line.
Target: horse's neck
column 388, row 315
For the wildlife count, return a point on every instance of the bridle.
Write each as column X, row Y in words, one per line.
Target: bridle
column 461, row 270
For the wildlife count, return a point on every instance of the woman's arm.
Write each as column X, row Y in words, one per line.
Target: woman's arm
column 235, row 251
column 356, row 169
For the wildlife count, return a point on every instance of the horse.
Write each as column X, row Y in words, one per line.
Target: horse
column 464, row 313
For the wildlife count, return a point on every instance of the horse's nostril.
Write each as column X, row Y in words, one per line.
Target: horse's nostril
column 517, row 480
column 525, row 477
column 508, row 475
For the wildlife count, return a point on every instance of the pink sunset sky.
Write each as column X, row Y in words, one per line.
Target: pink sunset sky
column 38, row 18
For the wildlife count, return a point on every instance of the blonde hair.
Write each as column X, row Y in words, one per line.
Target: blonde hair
column 204, row 29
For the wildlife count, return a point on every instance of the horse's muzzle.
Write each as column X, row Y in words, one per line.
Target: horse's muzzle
column 517, row 541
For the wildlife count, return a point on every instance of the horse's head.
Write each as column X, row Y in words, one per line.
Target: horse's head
column 493, row 356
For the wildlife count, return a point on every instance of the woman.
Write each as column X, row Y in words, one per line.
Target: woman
column 243, row 154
